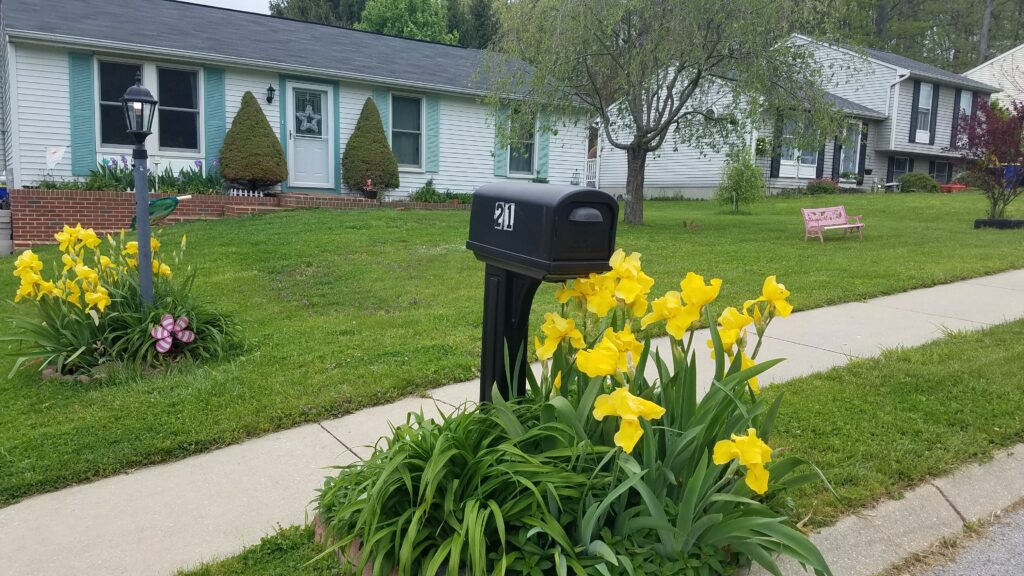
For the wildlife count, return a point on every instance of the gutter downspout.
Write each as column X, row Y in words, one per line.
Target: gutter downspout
column 895, row 108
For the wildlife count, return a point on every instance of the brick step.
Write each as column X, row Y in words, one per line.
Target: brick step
column 246, row 209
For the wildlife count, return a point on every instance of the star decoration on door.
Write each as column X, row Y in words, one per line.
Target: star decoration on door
column 309, row 121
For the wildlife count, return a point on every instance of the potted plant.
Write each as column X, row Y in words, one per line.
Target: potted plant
column 990, row 143
column 368, row 190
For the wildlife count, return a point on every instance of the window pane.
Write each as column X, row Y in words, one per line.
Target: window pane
column 808, row 157
column 925, row 101
column 900, row 165
column 406, row 147
column 966, row 102
column 924, row 119
column 179, row 129
column 113, row 128
column 851, row 148
column 520, row 158
column 178, row 88
column 406, row 113
column 115, row 78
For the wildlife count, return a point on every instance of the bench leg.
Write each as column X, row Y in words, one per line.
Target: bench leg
column 821, row 236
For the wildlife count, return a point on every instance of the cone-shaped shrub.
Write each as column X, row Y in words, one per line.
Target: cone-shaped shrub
column 367, row 154
column 252, row 157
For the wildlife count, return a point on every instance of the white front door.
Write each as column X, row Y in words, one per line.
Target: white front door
column 310, row 136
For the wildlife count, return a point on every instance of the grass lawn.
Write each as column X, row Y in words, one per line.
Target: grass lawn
column 876, row 428
column 349, row 309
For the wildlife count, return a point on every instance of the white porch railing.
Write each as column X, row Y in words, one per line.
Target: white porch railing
column 590, row 173
column 244, row 193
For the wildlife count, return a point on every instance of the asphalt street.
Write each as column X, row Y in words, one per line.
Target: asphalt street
column 998, row 553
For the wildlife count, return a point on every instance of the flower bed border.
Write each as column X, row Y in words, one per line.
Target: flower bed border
column 38, row 214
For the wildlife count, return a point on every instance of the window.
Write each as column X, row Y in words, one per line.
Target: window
column 942, row 171
column 115, row 78
column 900, row 166
column 407, row 130
column 850, row 155
column 966, row 102
column 924, row 113
column 178, row 110
column 795, row 162
column 520, row 151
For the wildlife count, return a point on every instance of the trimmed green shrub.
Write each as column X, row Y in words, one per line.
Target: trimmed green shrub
column 429, row 194
column 368, row 165
column 742, row 181
column 918, row 182
column 821, row 186
column 252, row 157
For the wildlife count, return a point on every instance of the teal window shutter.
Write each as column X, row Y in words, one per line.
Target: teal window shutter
column 500, row 148
column 382, row 99
column 83, row 113
column 433, row 136
column 214, row 112
column 543, row 144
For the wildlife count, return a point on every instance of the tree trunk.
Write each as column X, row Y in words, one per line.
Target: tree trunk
column 882, row 21
column 636, row 165
column 986, row 24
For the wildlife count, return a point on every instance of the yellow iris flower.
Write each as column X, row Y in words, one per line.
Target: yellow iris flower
column 45, row 288
column 27, row 262
column 633, row 285
column 751, row 452
column 601, row 360
column 597, row 290
column 98, row 298
column 161, row 269
column 696, row 292
column 731, row 324
column 629, row 409
column 87, row 238
column 557, row 383
column 775, row 295
column 87, row 275
column 556, row 329
column 68, row 237
column 69, row 262
column 748, row 362
column 678, row 316
column 71, row 292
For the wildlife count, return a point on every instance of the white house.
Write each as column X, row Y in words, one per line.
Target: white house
column 65, row 65
column 901, row 114
column 1005, row 71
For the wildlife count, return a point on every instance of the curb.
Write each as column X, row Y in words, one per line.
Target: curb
column 872, row 540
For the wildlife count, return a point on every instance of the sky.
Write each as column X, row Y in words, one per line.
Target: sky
column 260, row 6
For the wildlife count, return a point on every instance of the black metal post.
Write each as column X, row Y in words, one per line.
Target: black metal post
column 139, row 155
column 507, row 300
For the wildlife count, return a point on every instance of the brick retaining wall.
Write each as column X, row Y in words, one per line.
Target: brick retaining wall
column 38, row 214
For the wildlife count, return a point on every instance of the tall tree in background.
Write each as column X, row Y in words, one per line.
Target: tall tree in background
column 418, row 19
column 481, row 25
column 986, row 27
column 335, row 12
column 654, row 71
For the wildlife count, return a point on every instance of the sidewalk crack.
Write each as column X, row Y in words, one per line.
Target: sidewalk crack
column 346, row 446
column 950, row 502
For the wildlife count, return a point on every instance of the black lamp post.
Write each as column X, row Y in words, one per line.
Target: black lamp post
column 139, row 108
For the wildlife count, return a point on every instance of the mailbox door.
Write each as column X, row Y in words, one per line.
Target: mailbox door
column 583, row 231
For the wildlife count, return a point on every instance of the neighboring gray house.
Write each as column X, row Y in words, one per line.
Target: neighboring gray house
column 64, row 65
column 1005, row 71
column 901, row 115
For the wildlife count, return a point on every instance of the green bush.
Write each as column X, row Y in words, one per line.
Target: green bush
column 821, row 186
column 918, row 182
column 431, row 195
column 597, row 470
column 252, row 157
column 742, row 181
column 368, row 165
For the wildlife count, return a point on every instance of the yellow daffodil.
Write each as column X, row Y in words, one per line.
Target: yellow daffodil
column 629, row 409
column 678, row 316
column 751, row 452
column 696, row 292
column 775, row 295
column 597, row 290
column 98, row 298
column 601, row 360
column 747, row 362
column 633, row 285
column 161, row 269
column 556, row 329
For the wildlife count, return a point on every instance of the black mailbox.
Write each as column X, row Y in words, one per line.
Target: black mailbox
column 527, row 233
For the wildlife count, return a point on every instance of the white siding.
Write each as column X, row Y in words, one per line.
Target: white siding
column 1006, row 72
column 943, row 126
column 685, row 171
column 854, row 77
column 238, row 81
column 43, row 106
column 6, row 138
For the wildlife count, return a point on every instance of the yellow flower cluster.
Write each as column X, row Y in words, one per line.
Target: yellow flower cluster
column 681, row 309
column 615, row 352
column 27, row 268
column 557, row 329
column 625, row 283
column 630, row 409
column 751, row 452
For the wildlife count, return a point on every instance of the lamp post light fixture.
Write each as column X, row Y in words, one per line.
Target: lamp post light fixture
column 139, row 109
column 270, row 94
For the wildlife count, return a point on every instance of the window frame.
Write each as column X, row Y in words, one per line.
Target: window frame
column 968, row 97
column 198, row 110
column 150, row 80
column 896, row 172
column 533, row 150
column 924, row 131
column 100, row 103
column 422, row 132
column 855, row 128
column 947, row 174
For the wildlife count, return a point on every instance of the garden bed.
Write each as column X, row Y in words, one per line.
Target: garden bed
column 998, row 224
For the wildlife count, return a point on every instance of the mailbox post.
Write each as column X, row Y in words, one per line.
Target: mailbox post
column 526, row 234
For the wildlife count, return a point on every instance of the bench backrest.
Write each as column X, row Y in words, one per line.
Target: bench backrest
column 833, row 216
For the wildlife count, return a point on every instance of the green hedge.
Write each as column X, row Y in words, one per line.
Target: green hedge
column 918, row 182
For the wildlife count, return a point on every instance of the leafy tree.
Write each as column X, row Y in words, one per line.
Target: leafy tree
column 367, row 156
column 742, row 182
column 690, row 72
column 252, row 157
column 418, row 19
column 991, row 147
column 481, row 26
column 335, row 12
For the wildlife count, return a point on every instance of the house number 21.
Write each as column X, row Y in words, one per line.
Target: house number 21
column 504, row 215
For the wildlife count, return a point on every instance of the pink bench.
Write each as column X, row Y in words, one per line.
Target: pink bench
column 817, row 220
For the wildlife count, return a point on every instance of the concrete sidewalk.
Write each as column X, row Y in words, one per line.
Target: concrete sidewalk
column 158, row 519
